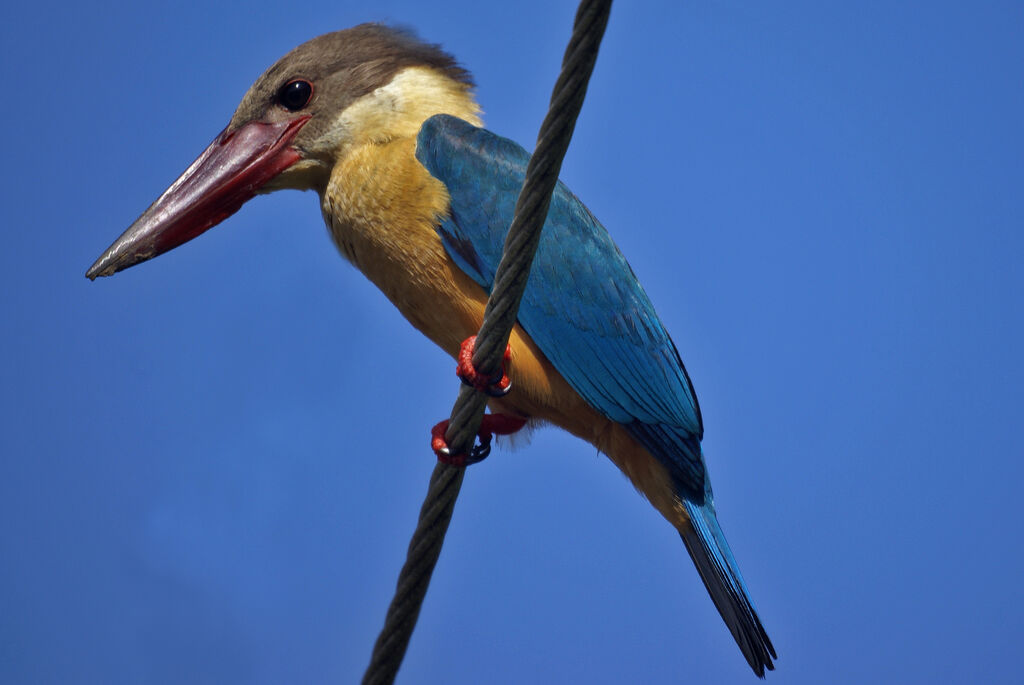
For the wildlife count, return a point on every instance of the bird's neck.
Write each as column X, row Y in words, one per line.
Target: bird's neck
column 398, row 109
column 383, row 208
column 382, row 205
column 380, row 202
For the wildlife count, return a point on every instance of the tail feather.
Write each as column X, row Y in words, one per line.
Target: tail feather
column 710, row 552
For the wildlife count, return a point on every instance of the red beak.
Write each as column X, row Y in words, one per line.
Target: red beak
column 228, row 173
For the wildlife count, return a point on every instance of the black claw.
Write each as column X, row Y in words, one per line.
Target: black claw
column 494, row 390
column 480, row 452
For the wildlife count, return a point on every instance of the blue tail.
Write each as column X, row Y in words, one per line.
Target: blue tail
column 706, row 544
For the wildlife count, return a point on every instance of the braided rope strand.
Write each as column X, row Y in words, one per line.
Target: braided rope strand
column 499, row 318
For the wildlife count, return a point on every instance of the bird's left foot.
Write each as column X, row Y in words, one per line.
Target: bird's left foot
column 491, row 424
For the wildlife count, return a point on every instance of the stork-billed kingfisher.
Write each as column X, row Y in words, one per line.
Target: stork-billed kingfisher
column 385, row 129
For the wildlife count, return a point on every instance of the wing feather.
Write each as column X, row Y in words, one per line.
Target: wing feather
column 583, row 305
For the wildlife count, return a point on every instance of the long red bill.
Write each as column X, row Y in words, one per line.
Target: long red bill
column 228, row 173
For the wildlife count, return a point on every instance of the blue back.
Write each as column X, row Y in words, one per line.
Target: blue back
column 583, row 306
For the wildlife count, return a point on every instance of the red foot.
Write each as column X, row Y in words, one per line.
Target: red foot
column 502, row 424
column 496, row 386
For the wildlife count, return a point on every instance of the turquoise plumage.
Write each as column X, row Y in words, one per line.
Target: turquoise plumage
column 588, row 314
column 583, row 305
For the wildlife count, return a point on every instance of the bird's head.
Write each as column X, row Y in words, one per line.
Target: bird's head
column 366, row 85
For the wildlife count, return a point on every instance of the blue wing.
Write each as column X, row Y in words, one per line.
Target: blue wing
column 583, row 306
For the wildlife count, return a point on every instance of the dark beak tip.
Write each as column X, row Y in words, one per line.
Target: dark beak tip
column 228, row 173
column 103, row 266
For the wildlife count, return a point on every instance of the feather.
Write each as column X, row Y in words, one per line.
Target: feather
column 583, row 306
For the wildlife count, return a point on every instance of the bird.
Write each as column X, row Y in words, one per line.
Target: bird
column 385, row 128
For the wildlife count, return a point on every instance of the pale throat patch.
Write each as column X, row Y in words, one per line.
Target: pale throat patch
column 399, row 108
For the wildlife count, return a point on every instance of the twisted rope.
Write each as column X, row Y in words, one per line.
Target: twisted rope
column 499, row 318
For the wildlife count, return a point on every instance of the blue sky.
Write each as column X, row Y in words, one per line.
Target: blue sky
column 210, row 464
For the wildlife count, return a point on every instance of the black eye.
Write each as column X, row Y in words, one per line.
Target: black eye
column 295, row 95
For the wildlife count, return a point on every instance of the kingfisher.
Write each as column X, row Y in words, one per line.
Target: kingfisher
column 419, row 197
